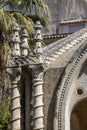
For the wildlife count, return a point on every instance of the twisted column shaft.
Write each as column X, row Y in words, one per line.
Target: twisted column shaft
column 15, row 108
column 38, row 101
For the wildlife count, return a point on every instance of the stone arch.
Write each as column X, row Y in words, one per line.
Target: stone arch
column 71, row 90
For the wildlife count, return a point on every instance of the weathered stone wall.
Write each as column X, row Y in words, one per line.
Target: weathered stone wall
column 63, row 10
column 51, row 79
column 54, row 8
column 53, row 24
column 67, row 9
column 73, row 9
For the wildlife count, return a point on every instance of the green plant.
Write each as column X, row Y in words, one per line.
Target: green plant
column 5, row 115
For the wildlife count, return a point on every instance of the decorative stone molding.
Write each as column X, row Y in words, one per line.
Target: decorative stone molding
column 70, row 71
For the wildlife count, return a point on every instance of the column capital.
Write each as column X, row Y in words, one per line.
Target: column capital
column 14, row 72
column 37, row 73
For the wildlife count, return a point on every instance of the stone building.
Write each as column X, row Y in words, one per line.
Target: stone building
column 49, row 87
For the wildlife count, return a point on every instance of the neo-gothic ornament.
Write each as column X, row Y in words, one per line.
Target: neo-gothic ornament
column 35, row 64
column 25, row 49
column 38, row 39
column 15, row 41
column 37, row 75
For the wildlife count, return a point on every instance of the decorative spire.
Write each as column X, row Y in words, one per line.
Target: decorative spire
column 38, row 28
column 25, row 47
column 15, row 40
column 38, row 39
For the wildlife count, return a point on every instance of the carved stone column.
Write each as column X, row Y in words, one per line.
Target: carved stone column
column 37, row 75
column 38, row 115
column 15, row 107
column 15, row 95
column 15, row 73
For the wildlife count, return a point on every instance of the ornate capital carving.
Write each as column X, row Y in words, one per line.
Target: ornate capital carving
column 14, row 72
column 37, row 73
column 37, row 70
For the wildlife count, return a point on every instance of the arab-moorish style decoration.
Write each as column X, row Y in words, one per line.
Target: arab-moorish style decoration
column 35, row 62
column 37, row 74
column 15, row 40
column 21, row 49
column 25, row 50
column 15, row 74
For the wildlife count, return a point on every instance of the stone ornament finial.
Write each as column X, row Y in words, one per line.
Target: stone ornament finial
column 38, row 39
column 25, row 46
column 38, row 28
column 15, row 40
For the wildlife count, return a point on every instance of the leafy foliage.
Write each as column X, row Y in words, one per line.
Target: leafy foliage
column 26, row 6
column 5, row 115
column 7, row 20
column 5, row 112
column 19, row 11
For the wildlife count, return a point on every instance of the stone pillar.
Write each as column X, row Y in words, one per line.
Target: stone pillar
column 15, row 81
column 38, row 99
column 15, row 74
column 15, row 104
column 37, row 75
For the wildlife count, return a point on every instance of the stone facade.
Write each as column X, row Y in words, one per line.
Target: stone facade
column 48, row 83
